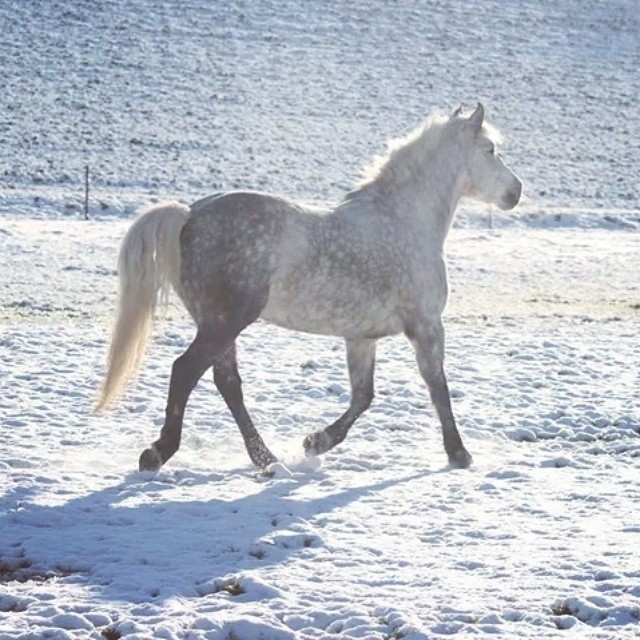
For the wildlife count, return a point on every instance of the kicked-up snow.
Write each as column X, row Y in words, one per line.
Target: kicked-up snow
column 379, row 538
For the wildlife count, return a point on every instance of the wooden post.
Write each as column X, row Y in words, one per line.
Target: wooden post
column 86, row 192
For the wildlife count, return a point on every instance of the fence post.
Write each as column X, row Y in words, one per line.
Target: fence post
column 86, row 192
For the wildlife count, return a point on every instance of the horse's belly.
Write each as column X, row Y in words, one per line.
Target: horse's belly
column 357, row 314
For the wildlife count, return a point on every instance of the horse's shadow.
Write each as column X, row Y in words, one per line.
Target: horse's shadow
column 128, row 542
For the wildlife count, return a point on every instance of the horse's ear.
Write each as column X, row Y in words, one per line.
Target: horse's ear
column 456, row 112
column 477, row 117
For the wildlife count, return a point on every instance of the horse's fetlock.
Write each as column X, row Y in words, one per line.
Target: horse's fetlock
column 150, row 459
column 262, row 458
column 319, row 442
column 362, row 400
column 461, row 459
column 168, row 444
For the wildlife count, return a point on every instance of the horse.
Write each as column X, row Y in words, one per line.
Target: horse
column 369, row 267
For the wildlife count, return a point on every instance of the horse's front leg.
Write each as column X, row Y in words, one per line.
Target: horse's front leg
column 428, row 342
column 360, row 361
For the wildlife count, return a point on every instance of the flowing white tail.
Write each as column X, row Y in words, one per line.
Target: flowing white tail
column 148, row 266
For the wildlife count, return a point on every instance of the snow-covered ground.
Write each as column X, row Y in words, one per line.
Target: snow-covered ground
column 539, row 539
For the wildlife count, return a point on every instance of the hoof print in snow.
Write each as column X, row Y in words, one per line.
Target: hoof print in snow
column 232, row 587
column 284, row 541
column 564, row 621
column 22, row 570
column 13, row 604
column 18, row 571
column 229, row 586
column 593, row 611
column 258, row 553
column 111, row 634
column 296, row 541
column 507, row 474
column 248, row 588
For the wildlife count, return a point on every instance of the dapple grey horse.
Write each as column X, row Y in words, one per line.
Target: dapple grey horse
column 372, row 266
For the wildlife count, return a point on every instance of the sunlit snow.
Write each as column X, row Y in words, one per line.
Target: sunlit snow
column 539, row 539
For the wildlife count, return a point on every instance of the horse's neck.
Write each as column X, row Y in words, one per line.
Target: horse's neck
column 428, row 200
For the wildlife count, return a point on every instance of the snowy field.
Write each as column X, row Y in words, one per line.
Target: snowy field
column 539, row 539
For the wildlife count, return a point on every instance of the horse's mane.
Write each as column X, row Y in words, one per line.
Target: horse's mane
column 407, row 152
column 402, row 149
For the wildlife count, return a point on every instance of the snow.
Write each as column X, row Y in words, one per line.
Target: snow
column 379, row 538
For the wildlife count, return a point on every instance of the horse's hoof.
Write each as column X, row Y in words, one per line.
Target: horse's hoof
column 317, row 443
column 150, row 460
column 277, row 470
column 461, row 459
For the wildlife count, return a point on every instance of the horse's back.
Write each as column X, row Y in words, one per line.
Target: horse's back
column 240, row 208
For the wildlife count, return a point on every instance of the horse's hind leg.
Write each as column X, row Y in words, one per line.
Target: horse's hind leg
column 186, row 372
column 214, row 345
column 229, row 383
column 429, row 346
column 360, row 360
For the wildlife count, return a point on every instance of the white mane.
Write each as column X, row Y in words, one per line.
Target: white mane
column 404, row 151
column 409, row 153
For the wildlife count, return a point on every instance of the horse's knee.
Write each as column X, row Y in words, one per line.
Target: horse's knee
column 432, row 372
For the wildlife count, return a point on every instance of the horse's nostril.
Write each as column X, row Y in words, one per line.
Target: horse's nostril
column 513, row 193
column 518, row 192
column 511, row 199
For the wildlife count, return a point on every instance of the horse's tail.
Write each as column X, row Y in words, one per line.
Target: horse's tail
column 148, row 265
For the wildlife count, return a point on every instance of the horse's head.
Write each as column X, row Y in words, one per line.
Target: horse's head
column 488, row 179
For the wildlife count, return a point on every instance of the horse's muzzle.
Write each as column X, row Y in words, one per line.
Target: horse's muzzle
column 511, row 198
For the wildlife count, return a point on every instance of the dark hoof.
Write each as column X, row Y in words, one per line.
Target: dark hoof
column 461, row 459
column 150, row 460
column 317, row 443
